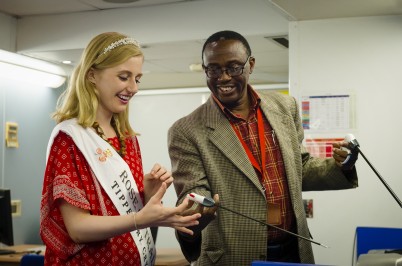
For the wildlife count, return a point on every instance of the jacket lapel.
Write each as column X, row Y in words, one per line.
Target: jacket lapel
column 281, row 123
column 222, row 136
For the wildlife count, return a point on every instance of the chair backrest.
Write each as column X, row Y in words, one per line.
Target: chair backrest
column 271, row 263
column 32, row 260
column 368, row 238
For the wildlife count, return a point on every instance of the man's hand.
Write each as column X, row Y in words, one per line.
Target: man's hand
column 340, row 154
column 208, row 214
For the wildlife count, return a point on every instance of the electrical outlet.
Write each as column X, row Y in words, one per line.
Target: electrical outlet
column 16, row 208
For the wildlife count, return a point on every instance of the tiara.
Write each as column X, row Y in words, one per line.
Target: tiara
column 120, row 42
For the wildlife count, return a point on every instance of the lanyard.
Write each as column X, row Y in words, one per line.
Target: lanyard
column 261, row 137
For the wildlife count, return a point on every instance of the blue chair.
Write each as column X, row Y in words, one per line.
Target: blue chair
column 368, row 238
column 268, row 263
column 32, row 260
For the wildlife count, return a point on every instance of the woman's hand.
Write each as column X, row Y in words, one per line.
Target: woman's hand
column 83, row 227
column 154, row 179
column 155, row 214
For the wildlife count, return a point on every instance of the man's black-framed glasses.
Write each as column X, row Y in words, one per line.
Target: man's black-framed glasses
column 233, row 71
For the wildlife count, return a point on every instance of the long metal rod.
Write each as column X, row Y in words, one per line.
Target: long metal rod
column 273, row 226
column 382, row 179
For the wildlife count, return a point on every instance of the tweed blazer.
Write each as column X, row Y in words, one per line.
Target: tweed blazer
column 208, row 158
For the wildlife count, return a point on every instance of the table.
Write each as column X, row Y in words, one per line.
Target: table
column 170, row 257
column 164, row 256
column 14, row 259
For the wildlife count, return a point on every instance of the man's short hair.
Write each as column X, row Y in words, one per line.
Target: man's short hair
column 227, row 35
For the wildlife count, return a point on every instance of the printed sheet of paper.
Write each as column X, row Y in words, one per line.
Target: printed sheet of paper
column 321, row 147
column 326, row 112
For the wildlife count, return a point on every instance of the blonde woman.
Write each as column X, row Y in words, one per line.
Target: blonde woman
column 97, row 204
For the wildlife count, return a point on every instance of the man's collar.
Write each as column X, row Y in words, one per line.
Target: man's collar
column 255, row 102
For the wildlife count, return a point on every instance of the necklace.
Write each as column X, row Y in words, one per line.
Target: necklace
column 99, row 131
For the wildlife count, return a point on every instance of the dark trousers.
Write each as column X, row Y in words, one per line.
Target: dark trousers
column 288, row 251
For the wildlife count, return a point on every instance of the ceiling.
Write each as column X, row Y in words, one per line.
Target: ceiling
column 167, row 63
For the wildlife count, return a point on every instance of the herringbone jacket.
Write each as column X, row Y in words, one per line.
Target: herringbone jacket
column 207, row 158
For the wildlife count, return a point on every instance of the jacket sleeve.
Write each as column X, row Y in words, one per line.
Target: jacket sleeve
column 189, row 177
column 321, row 173
column 324, row 174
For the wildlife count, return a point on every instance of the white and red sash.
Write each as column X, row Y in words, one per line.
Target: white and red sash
column 115, row 177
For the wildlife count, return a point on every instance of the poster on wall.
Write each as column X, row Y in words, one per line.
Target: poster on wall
column 327, row 112
column 321, row 147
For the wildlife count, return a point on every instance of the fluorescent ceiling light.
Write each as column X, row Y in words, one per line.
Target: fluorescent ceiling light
column 32, row 70
column 30, row 75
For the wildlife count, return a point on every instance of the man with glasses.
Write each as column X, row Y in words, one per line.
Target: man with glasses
column 244, row 149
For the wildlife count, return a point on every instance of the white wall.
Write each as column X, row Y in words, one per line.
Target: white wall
column 362, row 57
column 151, row 116
column 22, row 168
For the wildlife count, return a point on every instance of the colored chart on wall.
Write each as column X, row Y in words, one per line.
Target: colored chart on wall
column 321, row 147
column 327, row 112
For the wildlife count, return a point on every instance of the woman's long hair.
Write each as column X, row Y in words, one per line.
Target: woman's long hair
column 80, row 100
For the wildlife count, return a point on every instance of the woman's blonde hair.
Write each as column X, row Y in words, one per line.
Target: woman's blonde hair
column 80, row 100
